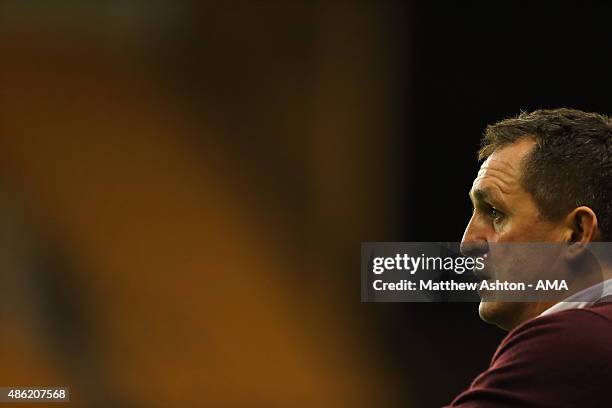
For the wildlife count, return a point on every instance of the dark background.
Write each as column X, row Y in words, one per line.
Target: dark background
column 469, row 66
column 185, row 186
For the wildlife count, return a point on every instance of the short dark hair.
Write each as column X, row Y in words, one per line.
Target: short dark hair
column 570, row 165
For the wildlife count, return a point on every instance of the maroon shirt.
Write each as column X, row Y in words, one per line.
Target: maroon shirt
column 559, row 360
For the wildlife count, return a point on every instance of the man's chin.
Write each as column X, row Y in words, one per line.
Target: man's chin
column 505, row 315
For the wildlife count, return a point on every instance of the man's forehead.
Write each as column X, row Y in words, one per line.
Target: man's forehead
column 498, row 168
column 508, row 158
column 500, row 165
column 502, row 170
column 496, row 176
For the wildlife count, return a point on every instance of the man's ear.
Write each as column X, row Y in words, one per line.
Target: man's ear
column 582, row 229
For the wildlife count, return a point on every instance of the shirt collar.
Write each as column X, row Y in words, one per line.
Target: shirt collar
column 582, row 299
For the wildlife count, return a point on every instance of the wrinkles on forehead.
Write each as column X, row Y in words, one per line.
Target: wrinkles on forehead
column 501, row 174
column 499, row 177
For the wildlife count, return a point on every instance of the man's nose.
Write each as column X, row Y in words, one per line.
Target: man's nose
column 474, row 242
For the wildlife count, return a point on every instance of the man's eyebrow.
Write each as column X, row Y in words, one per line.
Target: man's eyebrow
column 484, row 195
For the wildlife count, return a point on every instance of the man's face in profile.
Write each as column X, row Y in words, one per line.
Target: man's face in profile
column 505, row 212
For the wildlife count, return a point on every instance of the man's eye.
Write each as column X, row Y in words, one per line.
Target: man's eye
column 495, row 214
